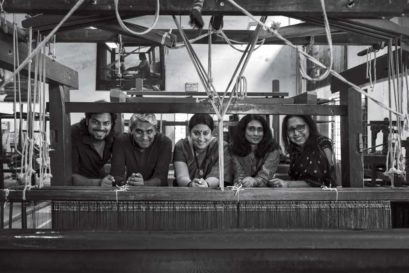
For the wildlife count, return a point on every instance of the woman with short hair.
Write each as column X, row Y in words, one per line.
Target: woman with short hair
column 311, row 154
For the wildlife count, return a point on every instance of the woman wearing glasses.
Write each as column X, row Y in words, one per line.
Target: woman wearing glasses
column 311, row 154
column 196, row 158
column 255, row 154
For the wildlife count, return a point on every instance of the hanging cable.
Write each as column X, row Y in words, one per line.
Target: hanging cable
column 122, row 24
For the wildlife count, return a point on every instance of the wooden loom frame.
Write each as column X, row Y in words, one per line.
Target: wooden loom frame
column 291, row 251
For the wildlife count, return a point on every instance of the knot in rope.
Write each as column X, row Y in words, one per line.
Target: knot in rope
column 237, row 188
column 120, row 188
column 325, row 188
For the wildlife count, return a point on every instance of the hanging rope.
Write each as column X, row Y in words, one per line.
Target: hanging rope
column 207, row 84
column 313, row 60
column 44, row 42
column 122, row 24
column 329, row 39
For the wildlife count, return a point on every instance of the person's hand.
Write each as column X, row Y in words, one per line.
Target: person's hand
column 107, row 181
column 277, row 183
column 136, row 179
column 199, row 183
column 248, row 182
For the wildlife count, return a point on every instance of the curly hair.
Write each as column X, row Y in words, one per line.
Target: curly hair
column 241, row 146
column 312, row 125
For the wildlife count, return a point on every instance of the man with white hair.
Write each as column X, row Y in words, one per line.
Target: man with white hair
column 142, row 156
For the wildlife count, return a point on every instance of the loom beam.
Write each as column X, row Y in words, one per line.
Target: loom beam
column 230, row 251
column 342, row 9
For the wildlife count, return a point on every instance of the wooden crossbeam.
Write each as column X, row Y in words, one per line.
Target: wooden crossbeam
column 344, row 8
column 73, row 193
column 55, row 71
column 46, row 23
column 203, row 94
column 87, row 35
column 239, row 251
column 239, row 107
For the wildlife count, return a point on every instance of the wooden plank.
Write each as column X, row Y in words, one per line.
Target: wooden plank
column 223, row 251
column 87, row 35
column 363, row 9
column 223, row 240
column 60, row 136
column 193, row 101
column 305, row 98
column 71, row 193
column 357, row 74
column 46, row 22
column 55, row 71
column 351, row 134
column 202, row 94
column 238, row 107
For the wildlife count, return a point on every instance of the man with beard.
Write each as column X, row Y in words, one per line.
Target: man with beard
column 92, row 140
column 142, row 156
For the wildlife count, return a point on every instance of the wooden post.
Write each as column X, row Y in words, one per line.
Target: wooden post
column 351, row 132
column 60, row 135
column 162, row 68
column 2, row 156
column 276, row 118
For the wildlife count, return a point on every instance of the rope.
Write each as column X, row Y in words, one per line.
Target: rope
column 6, row 195
column 313, row 60
column 44, row 42
column 209, row 88
column 180, row 45
column 121, row 23
column 325, row 188
column 329, row 39
column 229, row 41
column 119, row 189
column 236, row 189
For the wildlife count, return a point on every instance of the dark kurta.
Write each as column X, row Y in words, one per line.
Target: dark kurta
column 311, row 164
column 128, row 158
column 85, row 159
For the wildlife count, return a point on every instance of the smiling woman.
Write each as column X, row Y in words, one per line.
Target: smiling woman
column 196, row 158
column 311, row 155
column 255, row 154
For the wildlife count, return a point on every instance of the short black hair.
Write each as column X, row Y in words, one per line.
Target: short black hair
column 201, row 119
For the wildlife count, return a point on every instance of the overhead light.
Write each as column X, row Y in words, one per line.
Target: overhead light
column 111, row 45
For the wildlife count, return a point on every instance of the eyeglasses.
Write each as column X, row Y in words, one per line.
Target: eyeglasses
column 299, row 128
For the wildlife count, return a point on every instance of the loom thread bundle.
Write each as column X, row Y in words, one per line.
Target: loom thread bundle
column 220, row 215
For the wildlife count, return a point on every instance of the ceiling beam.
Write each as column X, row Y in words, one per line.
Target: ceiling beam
column 339, row 8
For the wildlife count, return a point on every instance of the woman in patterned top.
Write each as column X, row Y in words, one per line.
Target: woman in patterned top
column 255, row 154
column 196, row 158
column 311, row 154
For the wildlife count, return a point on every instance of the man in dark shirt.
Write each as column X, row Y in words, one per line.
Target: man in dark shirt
column 142, row 156
column 92, row 140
